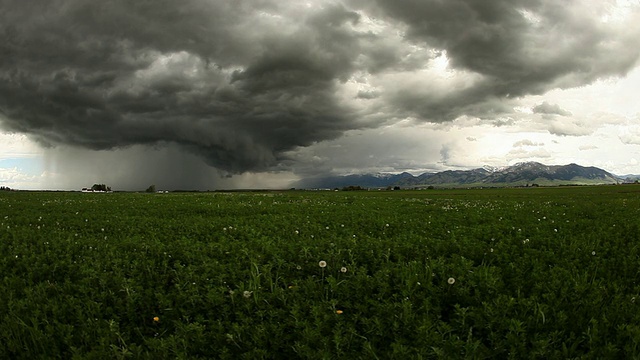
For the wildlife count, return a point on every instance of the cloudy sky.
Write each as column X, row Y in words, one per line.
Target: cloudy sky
column 205, row 94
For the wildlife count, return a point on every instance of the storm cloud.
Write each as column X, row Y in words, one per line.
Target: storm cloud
column 244, row 84
column 506, row 49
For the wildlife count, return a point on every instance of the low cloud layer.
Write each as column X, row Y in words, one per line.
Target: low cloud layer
column 246, row 85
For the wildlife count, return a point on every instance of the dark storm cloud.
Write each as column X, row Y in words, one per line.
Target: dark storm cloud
column 223, row 80
column 245, row 83
column 367, row 95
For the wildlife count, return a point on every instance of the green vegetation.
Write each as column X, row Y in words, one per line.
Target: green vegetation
column 543, row 273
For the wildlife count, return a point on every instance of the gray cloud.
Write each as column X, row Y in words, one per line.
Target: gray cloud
column 244, row 85
column 526, row 142
column 550, row 109
column 630, row 136
column 517, row 47
column 367, row 95
column 569, row 128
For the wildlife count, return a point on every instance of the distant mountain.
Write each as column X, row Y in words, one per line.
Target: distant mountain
column 534, row 171
column 520, row 174
column 459, row 177
column 630, row 177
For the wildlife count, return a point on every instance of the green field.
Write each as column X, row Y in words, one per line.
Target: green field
column 541, row 273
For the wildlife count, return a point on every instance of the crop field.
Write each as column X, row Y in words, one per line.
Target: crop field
column 537, row 273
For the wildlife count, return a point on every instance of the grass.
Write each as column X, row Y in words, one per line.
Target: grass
column 536, row 273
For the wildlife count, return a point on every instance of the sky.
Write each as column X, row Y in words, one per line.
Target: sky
column 210, row 94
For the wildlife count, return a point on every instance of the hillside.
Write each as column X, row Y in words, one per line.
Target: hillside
column 520, row 174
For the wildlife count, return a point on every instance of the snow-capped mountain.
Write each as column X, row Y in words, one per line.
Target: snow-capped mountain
column 523, row 173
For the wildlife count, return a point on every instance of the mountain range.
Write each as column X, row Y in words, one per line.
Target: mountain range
column 520, row 174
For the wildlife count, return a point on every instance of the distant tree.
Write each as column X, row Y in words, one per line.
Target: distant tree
column 100, row 187
column 151, row 189
column 352, row 188
column 5, row 188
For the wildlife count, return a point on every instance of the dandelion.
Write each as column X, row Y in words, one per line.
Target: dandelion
column 156, row 319
column 343, row 269
column 593, row 253
column 322, row 264
column 247, row 294
column 339, row 312
column 451, row 281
